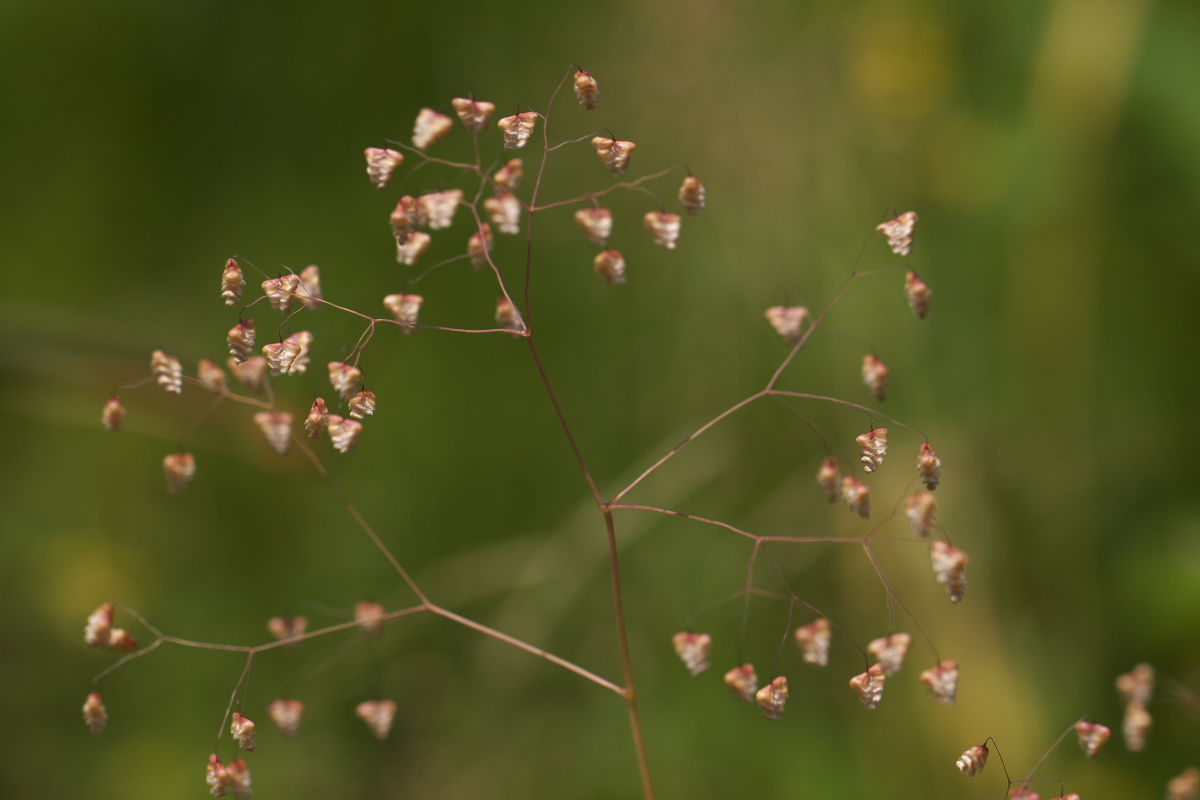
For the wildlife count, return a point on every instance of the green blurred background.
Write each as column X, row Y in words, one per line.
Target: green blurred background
column 1051, row 150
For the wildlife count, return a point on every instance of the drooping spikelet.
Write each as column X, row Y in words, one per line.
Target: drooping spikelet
column 242, row 730
column 405, row 218
column 507, row 316
column 596, row 224
column 869, row 685
column 369, row 615
column 874, row 448
column 240, row 339
column 1137, row 685
column 167, row 371
column 343, row 432
column 179, row 469
column 276, row 427
column 281, row 291
column 438, row 208
column 742, row 681
column 899, row 232
column 508, row 177
column 918, row 294
column 405, row 308
column 610, row 265
column 280, row 356
column 614, row 153
column 663, row 227
column 693, row 650
column 378, row 716
column 788, row 321
column 1135, row 726
column 302, row 340
column 1092, row 737
column 344, row 378
column 1023, row 793
column 875, row 376
column 517, row 129
column 211, row 376
column 504, row 211
column 362, row 405
column 430, row 128
column 113, row 414
column 890, row 651
column 813, row 640
column 772, row 698
column 309, row 293
column 314, row 423
column 692, row 195
column 920, row 509
column 251, row 372
column 100, row 633
column 942, row 681
column 287, row 627
column 829, row 478
column 286, row 715
column 479, row 245
column 225, row 778
column 381, row 163
column 414, row 247
column 950, row 567
column 95, row 715
column 473, row 113
column 973, row 760
column 929, row 466
column 586, row 90
column 1185, row 785
column 857, row 495
column 232, row 282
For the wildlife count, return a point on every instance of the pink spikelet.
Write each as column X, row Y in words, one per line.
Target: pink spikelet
column 788, row 322
column 517, row 129
column 167, row 371
column 899, row 232
column 890, row 651
column 1092, row 737
column 99, row 632
column 664, row 228
column 1185, row 785
column 430, row 128
column 287, row 627
column 857, row 496
column 874, row 447
column 813, row 640
column 95, row 715
column 369, row 615
column 772, row 698
column 920, row 510
column 378, row 716
column 286, row 715
column 345, row 378
column 232, row 282
column 405, row 309
column 693, row 650
column 1023, row 793
column 281, row 291
column 614, row 153
column 211, row 376
column 276, row 427
column 251, row 373
column 596, row 224
column 408, row 251
column 381, row 163
column 113, row 415
column 949, row 567
column 280, row 356
column 240, row 339
column 479, row 245
column 223, row 779
column 1137, row 685
column 973, row 760
column 587, row 92
column 318, row 415
column 302, row 340
column 917, row 293
column 869, row 686
column 875, row 376
column 343, row 433
column 692, row 195
column 508, row 317
column 309, row 293
column 405, row 218
column 242, row 730
column 508, row 177
column 179, row 469
column 742, row 680
column 610, row 265
column 474, row 114
column 504, row 211
column 942, row 681
column 1135, row 727
column 439, row 208
column 362, row 404
column 829, row 478
column 929, row 466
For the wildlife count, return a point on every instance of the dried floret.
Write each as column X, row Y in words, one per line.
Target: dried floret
column 942, row 680
column 918, row 294
column 890, row 651
column 287, row 627
column 869, row 685
column 508, row 177
column 314, row 423
column 614, row 153
column 772, row 698
column 813, row 640
column 409, row 251
column 280, row 356
column 344, row 378
column 378, row 715
column 302, row 340
column 179, row 469
column 281, row 291
column 113, row 414
column 473, row 113
column 370, row 616
column 517, row 129
column 610, row 265
column 240, row 339
column 929, row 466
column 405, row 308
column 829, row 478
column 167, row 371
column 211, row 376
column 232, row 282
column 586, row 90
column 950, row 567
column 920, row 510
column 479, row 245
column 1137, row 685
column 1136, row 726
column 899, row 232
column 309, row 292
column 362, row 405
column 743, row 681
column 1092, row 737
column 788, row 321
column 1185, row 785
column 438, row 208
column 692, row 195
column 251, row 372
column 405, row 218
column 242, row 730
column 343, row 432
column 875, row 376
column 381, row 163
column 504, row 211
column 508, row 317
column 693, row 650
column 430, row 128
column 596, row 224
column 973, row 760
column 276, row 426
column 874, row 448
column 857, row 495
column 663, row 227
column 95, row 715
column 286, row 715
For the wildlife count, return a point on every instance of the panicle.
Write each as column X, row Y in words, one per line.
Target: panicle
column 280, row 291
column 405, row 309
column 508, row 317
column 309, row 291
column 899, row 232
column 439, row 208
column 362, row 404
column 663, row 227
column 693, row 650
column 788, row 321
column 1092, row 737
column 517, row 129
column 369, row 615
column 343, row 432
column 890, row 651
column 504, row 210
column 973, row 760
column 242, row 730
column 113, row 414
column 473, row 113
column 286, row 715
column 99, row 631
column 280, row 356
column 869, row 685
column 813, row 640
column 405, row 218
column 381, row 163
column 950, row 567
column 874, row 448
column 430, row 128
column 829, row 478
column 240, row 339
column 875, row 376
column 586, row 90
column 1185, row 785
column 302, row 340
column 1137, row 685
column 610, row 265
column 692, row 195
column 95, row 715
column 412, row 248
column 211, row 376
column 179, row 469
column 344, row 378
column 857, row 495
column 251, row 372
column 596, row 224
column 287, row 627
column 743, row 681
column 1136, row 726
column 942, row 680
column 479, row 245
column 508, row 177
column 276, row 427
column 232, row 282
column 918, row 294
column 314, row 423
column 614, row 153
column 929, row 466
column 920, row 509
column 772, row 698
column 167, row 371
column 378, row 716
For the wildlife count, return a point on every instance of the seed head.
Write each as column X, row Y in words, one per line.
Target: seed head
column 276, row 426
column 344, row 378
column 223, row 779
column 508, row 177
column 857, row 495
column 869, row 686
column 100, row 633
column 362, row 405
column 280, row 292
column 610, row 265
column 1136, row 726
column 517, row 129
column 874, row 448
column 167, row 371
column 286, row 715
column 343, row 432
column 942, row 680
column 370, row 616
column 788, row 322
column 302, row 340
column 586, row 90
column 95, row 715
column 663, row 227
column 405, row 218
column 240, row 339
column 309, row 293
column 179, row 469
column 899, row 232
column 929, row 466
column 287, row 627
column 478, row 246
column 280, row 356
column 413, row 248
column 1185, row 785
column 875, row 376
column 473, row 113
column 596, row 224
column 378, row 715
column 614, row 153
column 232, row 282
column 504, row 210
column 430, row 128
column 950, row 567
column 918, row 294
column 1092, row 737
column 973, row 760
column 813, row 640
column 1137, row 685
column 692, row 195
column 242, row 730
column 438, row 208
column 314, row 423
column 251, row 372
column 508, row 317
column 828, row 478
column 920, row 510
column 772, row 698
column 743, row 681
column 113, row 415
column 381, row 163
column 890, row 651
column 404, row 308
column 693, row 650
column 211, row 376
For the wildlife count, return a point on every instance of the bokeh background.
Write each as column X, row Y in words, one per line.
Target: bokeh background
column 1050, row 149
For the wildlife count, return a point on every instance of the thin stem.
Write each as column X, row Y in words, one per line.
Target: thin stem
column 589, row 196
column 145, row 651
column 233, row 695
column 1051, row 749
column 847, row 403
column 891, row 592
